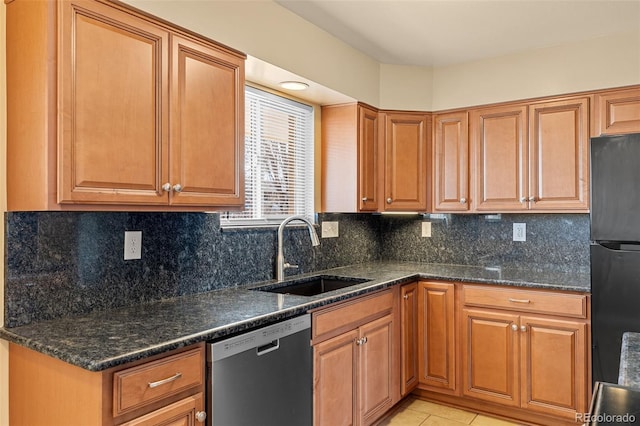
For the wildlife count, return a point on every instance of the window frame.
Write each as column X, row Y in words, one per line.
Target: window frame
column 227, row 219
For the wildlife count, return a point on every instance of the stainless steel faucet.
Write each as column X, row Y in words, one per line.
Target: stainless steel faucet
column 281, row 265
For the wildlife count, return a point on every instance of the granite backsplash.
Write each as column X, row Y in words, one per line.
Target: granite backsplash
column 62, row 264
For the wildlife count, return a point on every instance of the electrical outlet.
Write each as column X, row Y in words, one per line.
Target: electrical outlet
column 426, row 229
column 329, row 229
column 132, row 245
column 519, row 232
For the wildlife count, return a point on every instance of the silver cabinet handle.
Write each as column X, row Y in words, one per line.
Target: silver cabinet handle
column 522, row 199
column 519, row 300
column 463, row 200
column 365, row 199
column 201, row 416
column 406, row 297
column 523, row 328
column 364, row 339
column 514, row 327
column 532, row 199
column 166, row 187
column 165, row 381
column 177, row 187
column 389, row 200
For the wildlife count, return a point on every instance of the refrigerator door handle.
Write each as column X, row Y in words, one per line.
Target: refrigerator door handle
column 620, row 246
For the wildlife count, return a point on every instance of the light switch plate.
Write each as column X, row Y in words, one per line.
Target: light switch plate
column 132, row 245
column 329, row 229
column 426, row 229
column 519, row 232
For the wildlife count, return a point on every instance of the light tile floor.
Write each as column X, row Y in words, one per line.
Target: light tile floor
column 416, row 412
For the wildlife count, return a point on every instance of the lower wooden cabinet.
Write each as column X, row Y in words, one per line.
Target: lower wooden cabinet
column 437, row 346
column 355, row 361
column 516, row 356
column 409, row 338
column 163, row 390
column 186, row 412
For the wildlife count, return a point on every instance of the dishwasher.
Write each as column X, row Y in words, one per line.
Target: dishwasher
column 262, row 377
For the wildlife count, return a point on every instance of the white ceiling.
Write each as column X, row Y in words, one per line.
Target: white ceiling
column 444, row 32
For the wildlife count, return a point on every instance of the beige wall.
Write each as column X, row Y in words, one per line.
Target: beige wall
column 271, row 33
column 4, row 361
column 596, row 64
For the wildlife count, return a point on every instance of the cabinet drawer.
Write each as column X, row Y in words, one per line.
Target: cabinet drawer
column 137, row 386
column 334, row 320
column 554, row 303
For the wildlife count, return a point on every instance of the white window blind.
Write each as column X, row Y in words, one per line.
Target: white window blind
column 278, row 160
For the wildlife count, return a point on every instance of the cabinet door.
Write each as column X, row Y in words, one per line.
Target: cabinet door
column 558, row 155
column 617, row 112
column 436, row 336
column 113, row 127
column 368, row 141
column 499, row 145
column 409, row 338
column 554, row 365
column 406, row 155
column 181, row 413
column 377, row 370
column 451, row 162
column 335, row 374
column 490, row 356
column 207, row 133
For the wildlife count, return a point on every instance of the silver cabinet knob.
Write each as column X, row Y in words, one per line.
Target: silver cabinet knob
column 522, row 199
column 406, row 297
column 177, row 187
column 532, row 199
column 201, row 416
column 523, row 328
column 389, row 200
column 166, row 187
column 463, row 200
column 365, row 199
column 514, row 327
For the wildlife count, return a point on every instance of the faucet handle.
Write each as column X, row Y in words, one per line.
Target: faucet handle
column 287, row 265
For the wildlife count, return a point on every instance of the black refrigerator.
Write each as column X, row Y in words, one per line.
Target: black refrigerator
column 615, row 249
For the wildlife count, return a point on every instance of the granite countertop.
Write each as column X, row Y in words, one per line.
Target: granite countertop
column 630, row 360
column 110, row 338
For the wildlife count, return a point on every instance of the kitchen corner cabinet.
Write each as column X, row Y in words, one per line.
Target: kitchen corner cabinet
column 526, row 349
column 617, row 112
column 350, row 155
column 531, row 157
column 355, row 361
column 409, row 338
column 406, row 160
column 437, row 337
column 451, row 162
column 44, row 390
column 110, row 108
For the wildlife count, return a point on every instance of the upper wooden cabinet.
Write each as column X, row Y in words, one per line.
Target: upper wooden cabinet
column 350, row 155
column 531, row 157
column 559, row 155
column 499, row 144
column 91, row 123
column 374, row 161
column 451, row 162
column 406, row 160
column 617, row 112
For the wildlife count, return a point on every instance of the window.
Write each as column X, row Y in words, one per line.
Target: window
column 278, row 160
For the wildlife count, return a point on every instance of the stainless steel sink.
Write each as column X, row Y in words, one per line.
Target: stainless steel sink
column 311, row 286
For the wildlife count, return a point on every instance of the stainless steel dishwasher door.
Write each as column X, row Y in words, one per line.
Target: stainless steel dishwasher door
column 263, row 377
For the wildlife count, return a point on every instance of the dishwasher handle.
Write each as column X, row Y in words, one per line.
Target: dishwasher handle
column 273, row 345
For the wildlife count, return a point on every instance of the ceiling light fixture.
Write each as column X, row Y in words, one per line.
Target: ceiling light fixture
column 294, row 85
